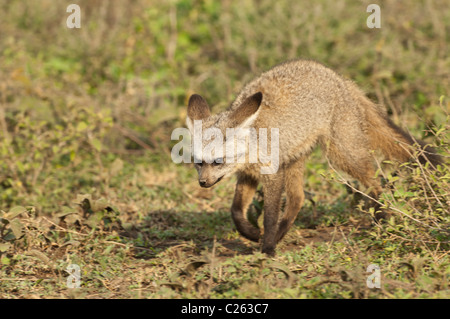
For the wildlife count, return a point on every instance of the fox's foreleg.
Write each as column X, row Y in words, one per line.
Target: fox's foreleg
column 245, row 190
column 273, row 187
column 295, row 197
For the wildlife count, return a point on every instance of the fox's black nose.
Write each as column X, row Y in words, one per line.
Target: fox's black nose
column 202, row 182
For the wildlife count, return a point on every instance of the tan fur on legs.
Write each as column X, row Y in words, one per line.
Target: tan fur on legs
column 348, row 149
column 245, row 189
column 273, row 188
column 295, row 196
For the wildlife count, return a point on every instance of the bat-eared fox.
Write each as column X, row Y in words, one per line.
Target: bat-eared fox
column 292, row 108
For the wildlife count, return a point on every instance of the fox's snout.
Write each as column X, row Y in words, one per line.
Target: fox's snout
column 206, row 183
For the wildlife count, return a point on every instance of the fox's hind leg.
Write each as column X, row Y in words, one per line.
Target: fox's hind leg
column 348, row 150
column 295, row 196
column 245, row 190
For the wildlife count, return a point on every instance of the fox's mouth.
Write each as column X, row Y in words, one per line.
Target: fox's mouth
column 205, row 185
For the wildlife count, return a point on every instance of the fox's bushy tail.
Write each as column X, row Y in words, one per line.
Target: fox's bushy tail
column 393, row 141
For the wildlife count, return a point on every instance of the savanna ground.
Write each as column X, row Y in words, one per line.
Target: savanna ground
column 86, row 176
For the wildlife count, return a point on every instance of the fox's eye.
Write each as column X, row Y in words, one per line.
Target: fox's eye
column 218, row 162
column 199, row 164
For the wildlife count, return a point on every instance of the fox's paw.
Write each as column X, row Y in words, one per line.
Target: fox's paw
column 253, row 234
column 246, row 229
column 269, row 251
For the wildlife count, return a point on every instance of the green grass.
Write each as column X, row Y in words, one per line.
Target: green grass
column 86, row 176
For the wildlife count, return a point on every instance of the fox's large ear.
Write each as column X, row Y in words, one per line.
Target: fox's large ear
column 198, row 109
column 246, row 113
